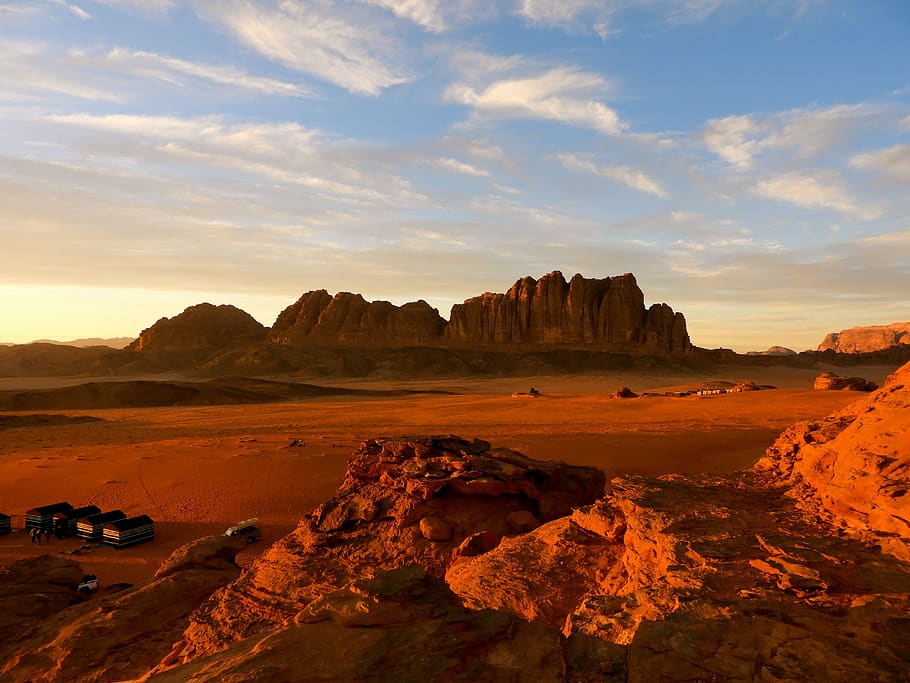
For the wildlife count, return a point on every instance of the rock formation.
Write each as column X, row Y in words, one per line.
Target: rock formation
column 608, row 313
column 348, row 319
column 394, row 492
column 446, row 559
column 199, row 331
column 867, row 339
column 828, row 381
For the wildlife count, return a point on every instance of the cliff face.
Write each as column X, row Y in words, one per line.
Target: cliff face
column 348, row 319
column 199, row 330
column 867, row 339
column 608, row 313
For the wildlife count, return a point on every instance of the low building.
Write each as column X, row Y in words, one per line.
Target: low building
column 65, row 522
column 5, row 524
column 91, row 528
column 130, row 531
column 43, row 517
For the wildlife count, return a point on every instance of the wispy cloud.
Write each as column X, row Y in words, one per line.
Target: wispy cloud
column 561, row 94
column 174, row 70
column 891, row 162
column 146, row 7
column 628, row 176
column 309, row 38
column 424, row 13
column 462, row 167
column 804, row 133
column 73, row 9
column 824, row 191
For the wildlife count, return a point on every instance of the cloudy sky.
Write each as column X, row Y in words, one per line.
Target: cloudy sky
column 748, row 160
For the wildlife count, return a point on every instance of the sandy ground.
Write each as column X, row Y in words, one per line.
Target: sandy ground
column 198, row 470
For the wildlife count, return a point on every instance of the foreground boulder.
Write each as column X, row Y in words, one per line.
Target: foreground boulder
column 423, row 502
column 853, row 467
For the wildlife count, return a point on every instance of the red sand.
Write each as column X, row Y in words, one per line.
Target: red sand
column 196, row 471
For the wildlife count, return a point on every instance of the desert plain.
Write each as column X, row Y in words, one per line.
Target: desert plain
column 197, row 470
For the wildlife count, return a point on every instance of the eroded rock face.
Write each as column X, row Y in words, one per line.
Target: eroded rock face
column 200, row 331
column 348, row 319
column 58, row 636
column 853, row 468
column 403, row 502
column 867, row 339
column 828, row 381
column 608, row 313
column 401, row 625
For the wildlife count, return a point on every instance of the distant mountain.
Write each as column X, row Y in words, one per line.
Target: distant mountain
column 113, row 342
column 867, row 339
column 197, row 334
column 773, row 351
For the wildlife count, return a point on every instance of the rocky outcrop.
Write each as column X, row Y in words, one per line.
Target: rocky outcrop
column 608, row 313
column 867, row 339
column 828, row 381
column 401, row 625
column 403, row 502
column 348, row 319
column 199, row 332
column 53, row 635
column 853, row 468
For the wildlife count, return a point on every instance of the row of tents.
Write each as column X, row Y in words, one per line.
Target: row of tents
column 113, row 528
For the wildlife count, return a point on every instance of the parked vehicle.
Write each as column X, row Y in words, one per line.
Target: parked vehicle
column 89, row 584
column 248, row 529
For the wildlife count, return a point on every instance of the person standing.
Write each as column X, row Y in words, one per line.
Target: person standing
column 32, row 534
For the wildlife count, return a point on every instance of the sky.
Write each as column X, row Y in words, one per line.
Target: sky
column 747, row 160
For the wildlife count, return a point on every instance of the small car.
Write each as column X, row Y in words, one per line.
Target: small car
column 89, row 584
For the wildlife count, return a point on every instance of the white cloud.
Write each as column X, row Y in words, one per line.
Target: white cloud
column 804, row 133
column 893, row 162
column 306, row 37
column 462, row 167
column 561, row 94
column 424, row 13
column 811, row 192
column 171, row 69
column 731, row 139
column 32, row 69
column 628, row 176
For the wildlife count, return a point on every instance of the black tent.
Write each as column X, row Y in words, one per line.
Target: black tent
column 65, row 522
column 130, row 531
column 43, row 517
column 91, row 527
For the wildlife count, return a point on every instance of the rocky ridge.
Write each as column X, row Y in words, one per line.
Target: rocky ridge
column 607, row 312
column 867, row 339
